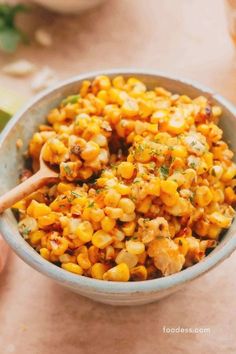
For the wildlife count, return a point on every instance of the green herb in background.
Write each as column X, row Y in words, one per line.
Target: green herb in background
column 10, row 34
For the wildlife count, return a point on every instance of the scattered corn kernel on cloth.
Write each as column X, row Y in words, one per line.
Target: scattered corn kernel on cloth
column 10, row 102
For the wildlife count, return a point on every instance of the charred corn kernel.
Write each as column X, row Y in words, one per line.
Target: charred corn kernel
column 118, row 273
column 35, row 237
column 138, row 273
column 58, row 245
column 203, row 196
column 135, row 247
column 98, row 270
column 83, row 261
column 126, row 205
column 220, row 219
column 73, row 268
column 182, row 244
column 122, row 189
column 128, row 228
column 112, row 198
column 85, row 231
column 114, row 213
column 108, row 224
column 36, row 209
column 45, row 253
column 126, row 170
column 101, row 239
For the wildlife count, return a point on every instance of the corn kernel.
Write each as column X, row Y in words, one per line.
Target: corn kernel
column 107, row 224
column 91, row 151
column 183, row 244
column 203, row 196
column 45, row 253
column 118, row 273
column 83, row 261
column 36, row 209
column 58, row 245
column 128, row 228
column 85, row 231
column 112, row 198
column 35, row 237
column 220, row 219
column 101, row 239
column 126, row 205
column 73, row 268
column 126, row 170
column 138, row 273
column 135, row 247
column 128, row 258
column 98, row 270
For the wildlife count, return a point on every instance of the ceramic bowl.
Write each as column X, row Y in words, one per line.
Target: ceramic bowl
column 69, row 6
column 25, row 123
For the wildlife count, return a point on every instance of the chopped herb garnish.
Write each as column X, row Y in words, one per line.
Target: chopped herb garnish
column 68, row 170
column 75, row 194
column 180, row 243
column 91, row 204
column 137, row 181
column 25, row 232
column 71, row 99
column 164, row 171
column 192, row 165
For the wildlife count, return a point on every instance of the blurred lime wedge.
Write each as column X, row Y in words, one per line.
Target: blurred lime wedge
column 10, row 102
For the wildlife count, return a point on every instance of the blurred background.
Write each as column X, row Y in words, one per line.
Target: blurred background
column 186, row 38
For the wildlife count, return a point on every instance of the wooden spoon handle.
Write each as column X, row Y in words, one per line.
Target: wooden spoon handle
column 22, row 190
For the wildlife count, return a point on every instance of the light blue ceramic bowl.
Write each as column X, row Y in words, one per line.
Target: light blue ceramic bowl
column 25, row 123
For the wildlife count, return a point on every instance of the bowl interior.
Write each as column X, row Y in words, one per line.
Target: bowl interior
column 26, row 122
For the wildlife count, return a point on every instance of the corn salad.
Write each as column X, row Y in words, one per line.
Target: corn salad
column 146, row 182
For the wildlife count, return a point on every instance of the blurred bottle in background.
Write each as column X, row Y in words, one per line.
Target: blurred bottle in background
column 231, row 17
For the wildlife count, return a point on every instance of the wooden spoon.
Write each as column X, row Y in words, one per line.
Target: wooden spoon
column 44, row 175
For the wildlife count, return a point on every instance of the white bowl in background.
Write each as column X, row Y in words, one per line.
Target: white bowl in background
column 69, row 6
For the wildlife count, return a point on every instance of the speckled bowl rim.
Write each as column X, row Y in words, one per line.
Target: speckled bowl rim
column 31, row 257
